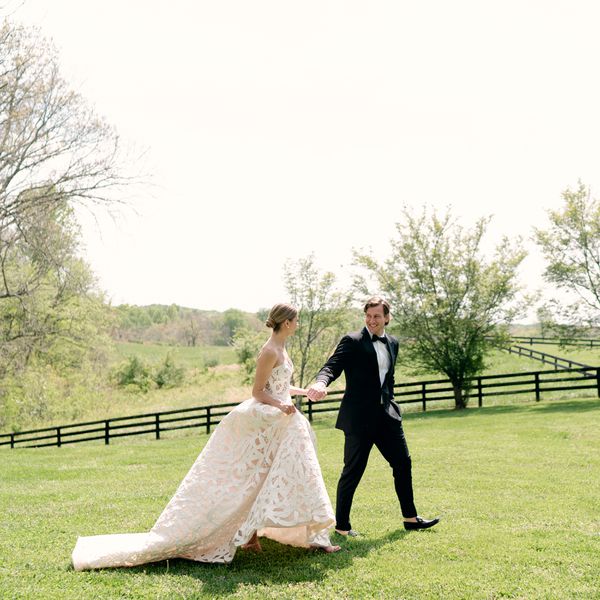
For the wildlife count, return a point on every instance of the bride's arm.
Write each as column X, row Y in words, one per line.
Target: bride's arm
column 294, row 391
column 264, row 365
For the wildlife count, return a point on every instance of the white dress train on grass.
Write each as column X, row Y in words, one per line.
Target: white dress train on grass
column 258, row 472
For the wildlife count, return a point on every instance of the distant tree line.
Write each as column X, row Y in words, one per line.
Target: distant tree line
column 178, row 325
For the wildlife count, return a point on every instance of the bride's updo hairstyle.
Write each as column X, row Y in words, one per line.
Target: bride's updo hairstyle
column 279, row 314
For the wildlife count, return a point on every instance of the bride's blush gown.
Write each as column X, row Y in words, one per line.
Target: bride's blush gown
column 258, row 472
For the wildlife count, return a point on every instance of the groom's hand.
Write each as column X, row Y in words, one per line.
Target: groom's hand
column 317, row 391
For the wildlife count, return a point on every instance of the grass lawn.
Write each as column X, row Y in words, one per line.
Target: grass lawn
column 187, row 356
column 517, row 486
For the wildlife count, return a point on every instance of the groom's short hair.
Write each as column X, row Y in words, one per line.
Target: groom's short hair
column 377, row 301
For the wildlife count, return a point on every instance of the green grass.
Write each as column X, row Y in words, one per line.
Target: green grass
column 187, row 356
column 517, row 487
column 202, row 386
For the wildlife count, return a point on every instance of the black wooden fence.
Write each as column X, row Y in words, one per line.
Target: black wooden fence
column 533, row 383
column 549, row 359
column 108, row 429
column 586, row 342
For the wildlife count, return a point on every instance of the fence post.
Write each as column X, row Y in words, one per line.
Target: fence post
column 310, row 413
column 208, row 419
column 537, row 387
column 106, row 432
column 424, row 396
column 598, row 381
column 157, row 425
column 12, row 440
column 58, row 440
column 479, row 393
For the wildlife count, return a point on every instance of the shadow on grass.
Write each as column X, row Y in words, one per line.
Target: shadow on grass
column 275, row 565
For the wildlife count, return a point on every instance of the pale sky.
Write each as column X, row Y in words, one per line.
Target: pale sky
column 276, row 129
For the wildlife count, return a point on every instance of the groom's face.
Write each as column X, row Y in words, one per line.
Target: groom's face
column 375, row 320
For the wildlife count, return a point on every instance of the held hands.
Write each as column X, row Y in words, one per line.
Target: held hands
column 317, row 391
column 287, row 409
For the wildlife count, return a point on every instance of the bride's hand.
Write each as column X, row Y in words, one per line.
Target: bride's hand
column 287, row 409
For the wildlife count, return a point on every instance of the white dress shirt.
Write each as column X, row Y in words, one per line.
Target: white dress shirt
column 383, row 357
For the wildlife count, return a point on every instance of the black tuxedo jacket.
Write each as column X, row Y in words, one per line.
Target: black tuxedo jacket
column 362, row 400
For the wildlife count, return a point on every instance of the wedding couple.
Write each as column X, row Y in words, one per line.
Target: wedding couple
column 259, row 476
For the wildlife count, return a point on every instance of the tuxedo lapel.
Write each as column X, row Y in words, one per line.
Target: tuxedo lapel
column 392, row 351
column 370, row 351
column 372, row 355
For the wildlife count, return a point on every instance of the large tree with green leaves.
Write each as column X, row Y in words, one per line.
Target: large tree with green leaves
column 449, row 302
column 571, row 247
column 55, row 153
column 54, row 324
column 52, row 310
column 324, row 316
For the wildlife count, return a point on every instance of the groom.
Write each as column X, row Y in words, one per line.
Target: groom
column 368, row 414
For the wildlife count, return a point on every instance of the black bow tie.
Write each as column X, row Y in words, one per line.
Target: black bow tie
column 376, row 338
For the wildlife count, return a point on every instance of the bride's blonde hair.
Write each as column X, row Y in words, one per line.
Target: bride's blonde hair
column 280, row 313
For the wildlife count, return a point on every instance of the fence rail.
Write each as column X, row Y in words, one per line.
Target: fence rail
column 107, row 429
column 549, row 359
column 587, row 342
column 534, row 383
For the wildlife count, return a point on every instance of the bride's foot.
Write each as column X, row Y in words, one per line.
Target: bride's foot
column 326, row 549
column 253, row 544
column 256, row 547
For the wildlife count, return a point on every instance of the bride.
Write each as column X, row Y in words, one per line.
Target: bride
column 258, row 475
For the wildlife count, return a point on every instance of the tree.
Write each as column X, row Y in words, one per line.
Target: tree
column 192, row 331
column 324, row 315
column 446, row 298
column 54, row 152
column 52, row 145
column 53, row 326
column 571, row 247
column 233, row 319
column 50, row 306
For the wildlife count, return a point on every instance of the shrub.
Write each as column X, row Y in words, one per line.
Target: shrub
column 134, row 372
column 247, row 345
column 168, row 373
column 211, row 361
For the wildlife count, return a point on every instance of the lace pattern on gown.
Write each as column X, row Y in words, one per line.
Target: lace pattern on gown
column 258, row 472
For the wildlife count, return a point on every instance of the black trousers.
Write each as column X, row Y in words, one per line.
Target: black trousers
column 388, row 436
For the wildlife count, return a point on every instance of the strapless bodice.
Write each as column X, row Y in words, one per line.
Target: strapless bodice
column 278, row 384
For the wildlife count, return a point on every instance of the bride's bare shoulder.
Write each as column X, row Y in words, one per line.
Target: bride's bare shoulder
column 267, row 353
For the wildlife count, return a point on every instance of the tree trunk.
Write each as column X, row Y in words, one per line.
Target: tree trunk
column 460, row 400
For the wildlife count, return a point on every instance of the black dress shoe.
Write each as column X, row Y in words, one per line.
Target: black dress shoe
column 349, row 533
column 421, row 523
